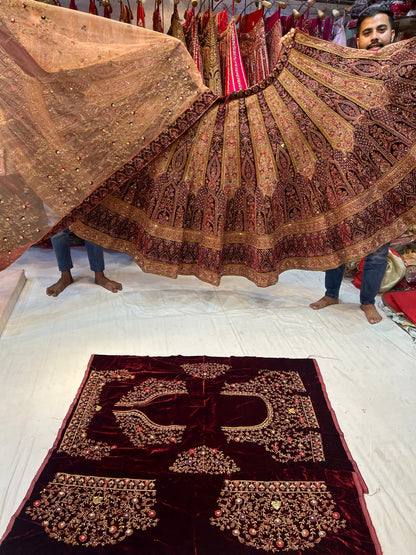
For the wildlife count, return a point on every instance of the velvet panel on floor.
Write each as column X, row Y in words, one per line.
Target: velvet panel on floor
column 196, row 455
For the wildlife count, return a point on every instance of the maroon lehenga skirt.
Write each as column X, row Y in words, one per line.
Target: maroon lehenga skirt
column 312, row 167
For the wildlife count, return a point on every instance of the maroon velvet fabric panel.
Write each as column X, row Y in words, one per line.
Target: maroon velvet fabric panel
column 216, row 455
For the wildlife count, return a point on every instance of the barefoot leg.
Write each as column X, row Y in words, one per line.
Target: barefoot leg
column 323, row 302
column 60, row 285
column 113, row 286
column 371, row 313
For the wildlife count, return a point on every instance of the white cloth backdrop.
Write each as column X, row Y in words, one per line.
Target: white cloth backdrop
column 369, row 371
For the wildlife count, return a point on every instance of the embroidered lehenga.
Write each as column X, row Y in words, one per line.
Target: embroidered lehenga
column 110, row 128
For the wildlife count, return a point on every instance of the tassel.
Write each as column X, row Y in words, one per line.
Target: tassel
column 72, row 5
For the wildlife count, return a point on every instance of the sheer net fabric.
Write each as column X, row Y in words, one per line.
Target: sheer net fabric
column 80, row 96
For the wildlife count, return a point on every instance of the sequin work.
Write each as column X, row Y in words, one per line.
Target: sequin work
column 138, row 427
column 94, row 511
column 204, row 460
column 288, row 431
column 205, row 370
column 75, row 441
column 277, row 516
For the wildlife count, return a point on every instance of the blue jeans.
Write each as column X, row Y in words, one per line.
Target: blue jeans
column 61, row 247
column 375, row 265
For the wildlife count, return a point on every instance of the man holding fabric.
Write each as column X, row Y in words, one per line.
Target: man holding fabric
column 374, row 30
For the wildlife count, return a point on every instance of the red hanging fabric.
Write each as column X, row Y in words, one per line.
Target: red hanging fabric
column 72, row 5
column 157, row 21
column 140, row 15
column 108, row 10
column 93, row 8
column 192, row 41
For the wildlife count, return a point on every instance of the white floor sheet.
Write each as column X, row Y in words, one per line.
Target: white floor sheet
column 369, row 371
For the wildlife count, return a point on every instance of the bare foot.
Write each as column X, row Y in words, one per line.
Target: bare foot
column 371, row 313
column 113, row 286
column 322, row 303
column 60, row 285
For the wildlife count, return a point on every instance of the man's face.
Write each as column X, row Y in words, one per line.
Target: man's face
column 375, row 32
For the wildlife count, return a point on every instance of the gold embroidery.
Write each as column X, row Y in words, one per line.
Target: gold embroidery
column 136, row 425
column 337, row 131
column 266, row 171
column 196, row 166
column 277, row 516
column 151, row 389
column 94, row 511
column 302, row 155
column 361, row 90
column 205, row 370
column 341, row 51
column 204, row 460
column 143, row 432
column 231, row 162
column 285, row 432
column 75, row 441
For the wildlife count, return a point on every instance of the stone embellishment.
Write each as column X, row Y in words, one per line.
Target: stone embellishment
column 205, row 370
column 277, row 516
column 75, row 441
column 94, row 511
column 140, row 430
column 287, row 431
column 204, row 460
column 151, row 389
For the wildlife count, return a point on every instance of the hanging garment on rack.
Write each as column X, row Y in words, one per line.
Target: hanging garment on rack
column 92, row 8
column 327, row 28
column 338, row 31
column 140, row 16
column 108, row 10
column 157, row 20
column 176, row 28
column 315, row 27
column 288, row 23
column 252, row 41
column 208, row 41
column 232, row 69
column 273, row 29
column 192, row 41
column 111, row 128
column 126, row 15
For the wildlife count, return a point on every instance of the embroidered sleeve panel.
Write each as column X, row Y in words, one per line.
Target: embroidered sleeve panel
column 290, row 431
column 75, row 441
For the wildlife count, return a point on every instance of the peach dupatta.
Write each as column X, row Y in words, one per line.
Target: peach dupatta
column 79, row 97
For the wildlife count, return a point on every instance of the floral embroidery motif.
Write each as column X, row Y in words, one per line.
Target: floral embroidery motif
column 277, row 516
column 151, row 389
column 136, row 425
column 94, row 511
column 286, row 431
column 204, row 460
column 205, row 370
column 75, row 441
